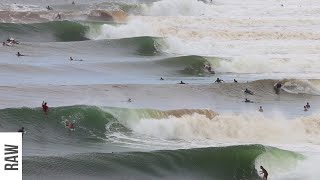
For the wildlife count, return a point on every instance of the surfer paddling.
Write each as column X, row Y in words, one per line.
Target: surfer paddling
column 19, row 54
column 264, row 172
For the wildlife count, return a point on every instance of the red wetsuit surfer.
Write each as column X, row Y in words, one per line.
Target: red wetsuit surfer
column 45, row 107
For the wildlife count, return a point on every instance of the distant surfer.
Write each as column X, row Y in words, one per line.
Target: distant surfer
column 181, row 82
column 247, row 91
column 305, row 108
column 277, row 87
column 161, row 79
column 73, row 2
column 71, row 59
column 219, row 80
column 45, row 107
column 248, row 101
column 21, row 130
column 12, row 41
column 308, row 105
column 264, row 172
column 49, row 8
column 19, row 54
column 260, row 109
column 235, row 81
column 129, row 100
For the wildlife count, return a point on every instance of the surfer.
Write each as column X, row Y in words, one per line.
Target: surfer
column 45, row 107
column 219, row 81
column 235, row 81
column 129, row 100
column 248, row 101
column 71, row 59
column 248, row 92
column 181, row 82
column 161, row 79
column 277, row 87
column 49, row 8
column 264, row 172
column 19, row 54
column 260, row 109
column 305, row 108
column 308, row 105
column 73, row 2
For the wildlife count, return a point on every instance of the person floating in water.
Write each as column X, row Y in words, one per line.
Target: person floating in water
column 129, row 100
column 248, row 101
column 219, row 80
column 235, row 81
column 305, row 108
column 181, row 82
column 19, row 54
column 264, row 172
column 73, row 2
column 161, row 79
column 248, row 92
column 49, row 8
column 308, row 105
column 21, row 130
column 45, row 107
column 71, row 59
column 260, row 109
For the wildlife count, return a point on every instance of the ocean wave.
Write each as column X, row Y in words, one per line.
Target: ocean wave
column 234, row 162
column 184, row 124
column 45, row 32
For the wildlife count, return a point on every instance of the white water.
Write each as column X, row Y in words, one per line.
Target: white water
column 241, row 128
column 257, row 37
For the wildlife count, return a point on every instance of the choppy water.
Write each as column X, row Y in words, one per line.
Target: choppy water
column 199, row 130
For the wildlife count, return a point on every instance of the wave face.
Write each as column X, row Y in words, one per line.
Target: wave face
column 235, row 162
column 45, row 32
column 123, row 125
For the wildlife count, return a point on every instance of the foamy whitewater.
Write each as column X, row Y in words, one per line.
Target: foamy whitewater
column 114, row 68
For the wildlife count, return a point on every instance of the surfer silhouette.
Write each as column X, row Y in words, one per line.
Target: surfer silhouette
column 264, row 172
column 308, row 105
column 260, row 109
column 219, row 80
column 45, row 107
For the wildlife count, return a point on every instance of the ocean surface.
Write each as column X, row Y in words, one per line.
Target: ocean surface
column 198, row 130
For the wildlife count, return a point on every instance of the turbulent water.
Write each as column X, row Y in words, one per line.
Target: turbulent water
column 199, row 130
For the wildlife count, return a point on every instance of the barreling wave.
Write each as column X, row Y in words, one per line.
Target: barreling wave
column 95, row 124
column 234, row 162
column 188, row 65
column 45, row 32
